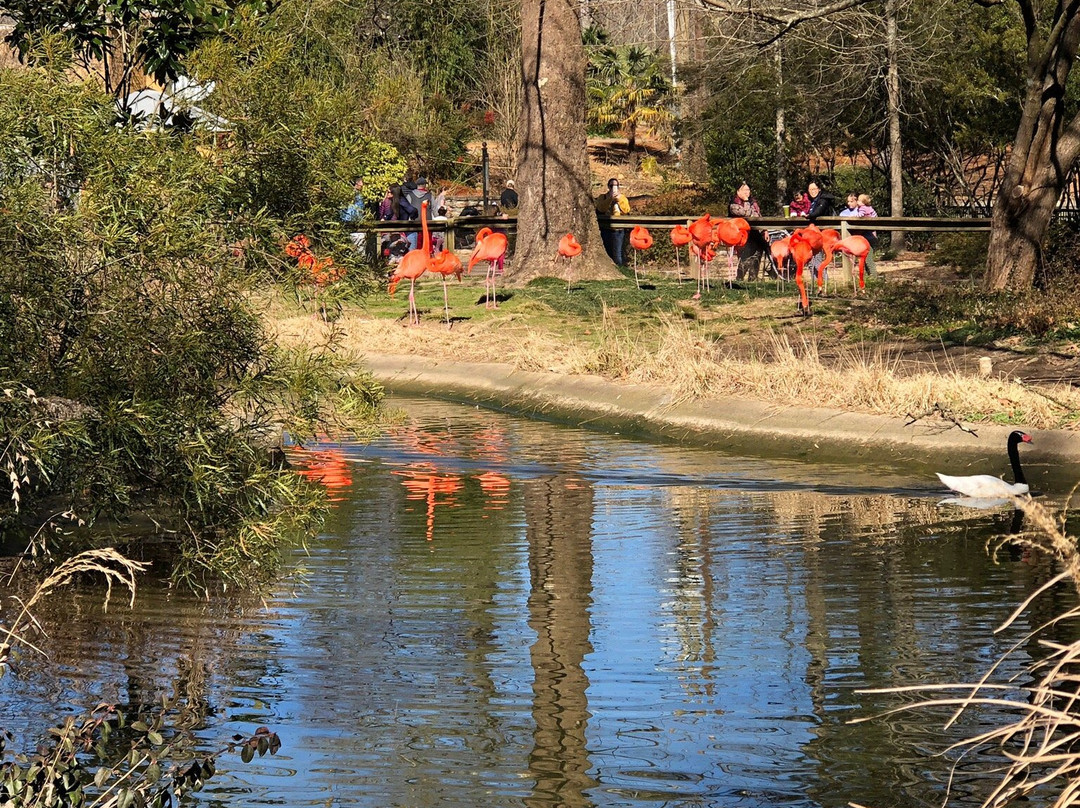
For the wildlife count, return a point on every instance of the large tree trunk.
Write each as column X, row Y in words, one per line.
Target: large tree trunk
column 553, row 178
column 1043, row 155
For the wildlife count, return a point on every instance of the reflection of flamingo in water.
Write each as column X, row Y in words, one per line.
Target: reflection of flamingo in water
column 426, row 485
column 327, row 467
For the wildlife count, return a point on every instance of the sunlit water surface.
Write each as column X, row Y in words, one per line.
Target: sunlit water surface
column 504, row 613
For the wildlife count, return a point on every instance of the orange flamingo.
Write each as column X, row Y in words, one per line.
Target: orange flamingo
column 446, row 264
column 701, row 232
column 568, row 248
column 802, row 250
column 680, row 236
column 490, row 247
column 858, row 248
column 640, row 239
column 780, row 250
column 829, row 238
column 733, row 234
column 414, row 264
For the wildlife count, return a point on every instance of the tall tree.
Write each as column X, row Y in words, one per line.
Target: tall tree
column 553, row 177
column 1046, row 149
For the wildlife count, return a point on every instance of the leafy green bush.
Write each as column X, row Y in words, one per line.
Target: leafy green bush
column 134, row 374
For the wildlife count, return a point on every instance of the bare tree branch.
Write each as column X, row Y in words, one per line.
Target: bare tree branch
column 785, row 23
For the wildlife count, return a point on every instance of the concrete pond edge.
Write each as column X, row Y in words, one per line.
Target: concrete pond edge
column 736, row 425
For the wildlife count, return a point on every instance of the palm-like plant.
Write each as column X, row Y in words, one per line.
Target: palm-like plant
column 626, row 89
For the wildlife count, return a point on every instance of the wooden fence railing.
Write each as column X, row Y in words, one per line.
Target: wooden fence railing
column 455, row 229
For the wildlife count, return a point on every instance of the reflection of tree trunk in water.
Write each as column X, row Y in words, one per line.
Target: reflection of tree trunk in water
column 558, row 515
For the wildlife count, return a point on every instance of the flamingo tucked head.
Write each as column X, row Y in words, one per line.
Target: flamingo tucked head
column 446, row 264
column 728, row 232
column 811, row 235
column 701, row 231
column 490, row 246
column 568, row 246
column 640, row 238
column 680, row 235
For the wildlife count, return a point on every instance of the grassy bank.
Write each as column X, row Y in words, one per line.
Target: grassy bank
column 744, row 342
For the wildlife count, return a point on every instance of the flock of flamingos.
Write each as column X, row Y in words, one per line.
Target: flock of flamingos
column 703, row 236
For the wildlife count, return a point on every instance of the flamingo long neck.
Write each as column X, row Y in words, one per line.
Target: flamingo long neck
column 423, row 226
column 1014, row 459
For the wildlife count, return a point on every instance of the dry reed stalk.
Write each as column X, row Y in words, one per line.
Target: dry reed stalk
column 1041, row 742
column 106, row 562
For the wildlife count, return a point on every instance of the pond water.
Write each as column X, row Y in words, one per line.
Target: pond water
column 503, row 612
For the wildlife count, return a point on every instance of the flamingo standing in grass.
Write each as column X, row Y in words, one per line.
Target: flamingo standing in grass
column 701, row 232
column 780, row 250
column 858, row 248
column 568, row 248
column 680, row 236
column 412, row 265
column 802, row 251
column 829, row 238
column 446, row 264
column 732, row 233
column 640, row 239
column 490, row 247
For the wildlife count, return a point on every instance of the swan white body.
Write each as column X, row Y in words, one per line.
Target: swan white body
column 987, row 486
column 983, row 486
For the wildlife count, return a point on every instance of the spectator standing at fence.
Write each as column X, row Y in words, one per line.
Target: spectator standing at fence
column 866, row 210
column 852, row 208
column 386, row 206
column 508, row 199
column 355, row 213
column 743, row 205
column 821, row 203
column 800, row 205
column 416, row 197
column 612, row 204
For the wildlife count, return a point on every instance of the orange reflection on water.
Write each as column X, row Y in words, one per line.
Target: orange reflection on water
column 496, row 488
column 423, row 484
column 327, row 467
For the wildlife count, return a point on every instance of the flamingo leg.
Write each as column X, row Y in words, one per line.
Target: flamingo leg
column 414, row 315
column 569, row 272
column 446, row 302
column 708, row 286
column 804, row 300
column 637, row 280
column 678, row 267
column 492, row 299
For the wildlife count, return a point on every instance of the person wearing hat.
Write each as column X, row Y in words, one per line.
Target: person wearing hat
column 417, row 196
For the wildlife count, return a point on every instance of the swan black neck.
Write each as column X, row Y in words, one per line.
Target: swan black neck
column 1015, row 439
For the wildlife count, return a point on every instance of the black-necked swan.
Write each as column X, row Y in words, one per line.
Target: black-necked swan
column 986, row 485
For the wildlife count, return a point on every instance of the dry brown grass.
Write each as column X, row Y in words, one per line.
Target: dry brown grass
column 1040, row 743
column 684, row 356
